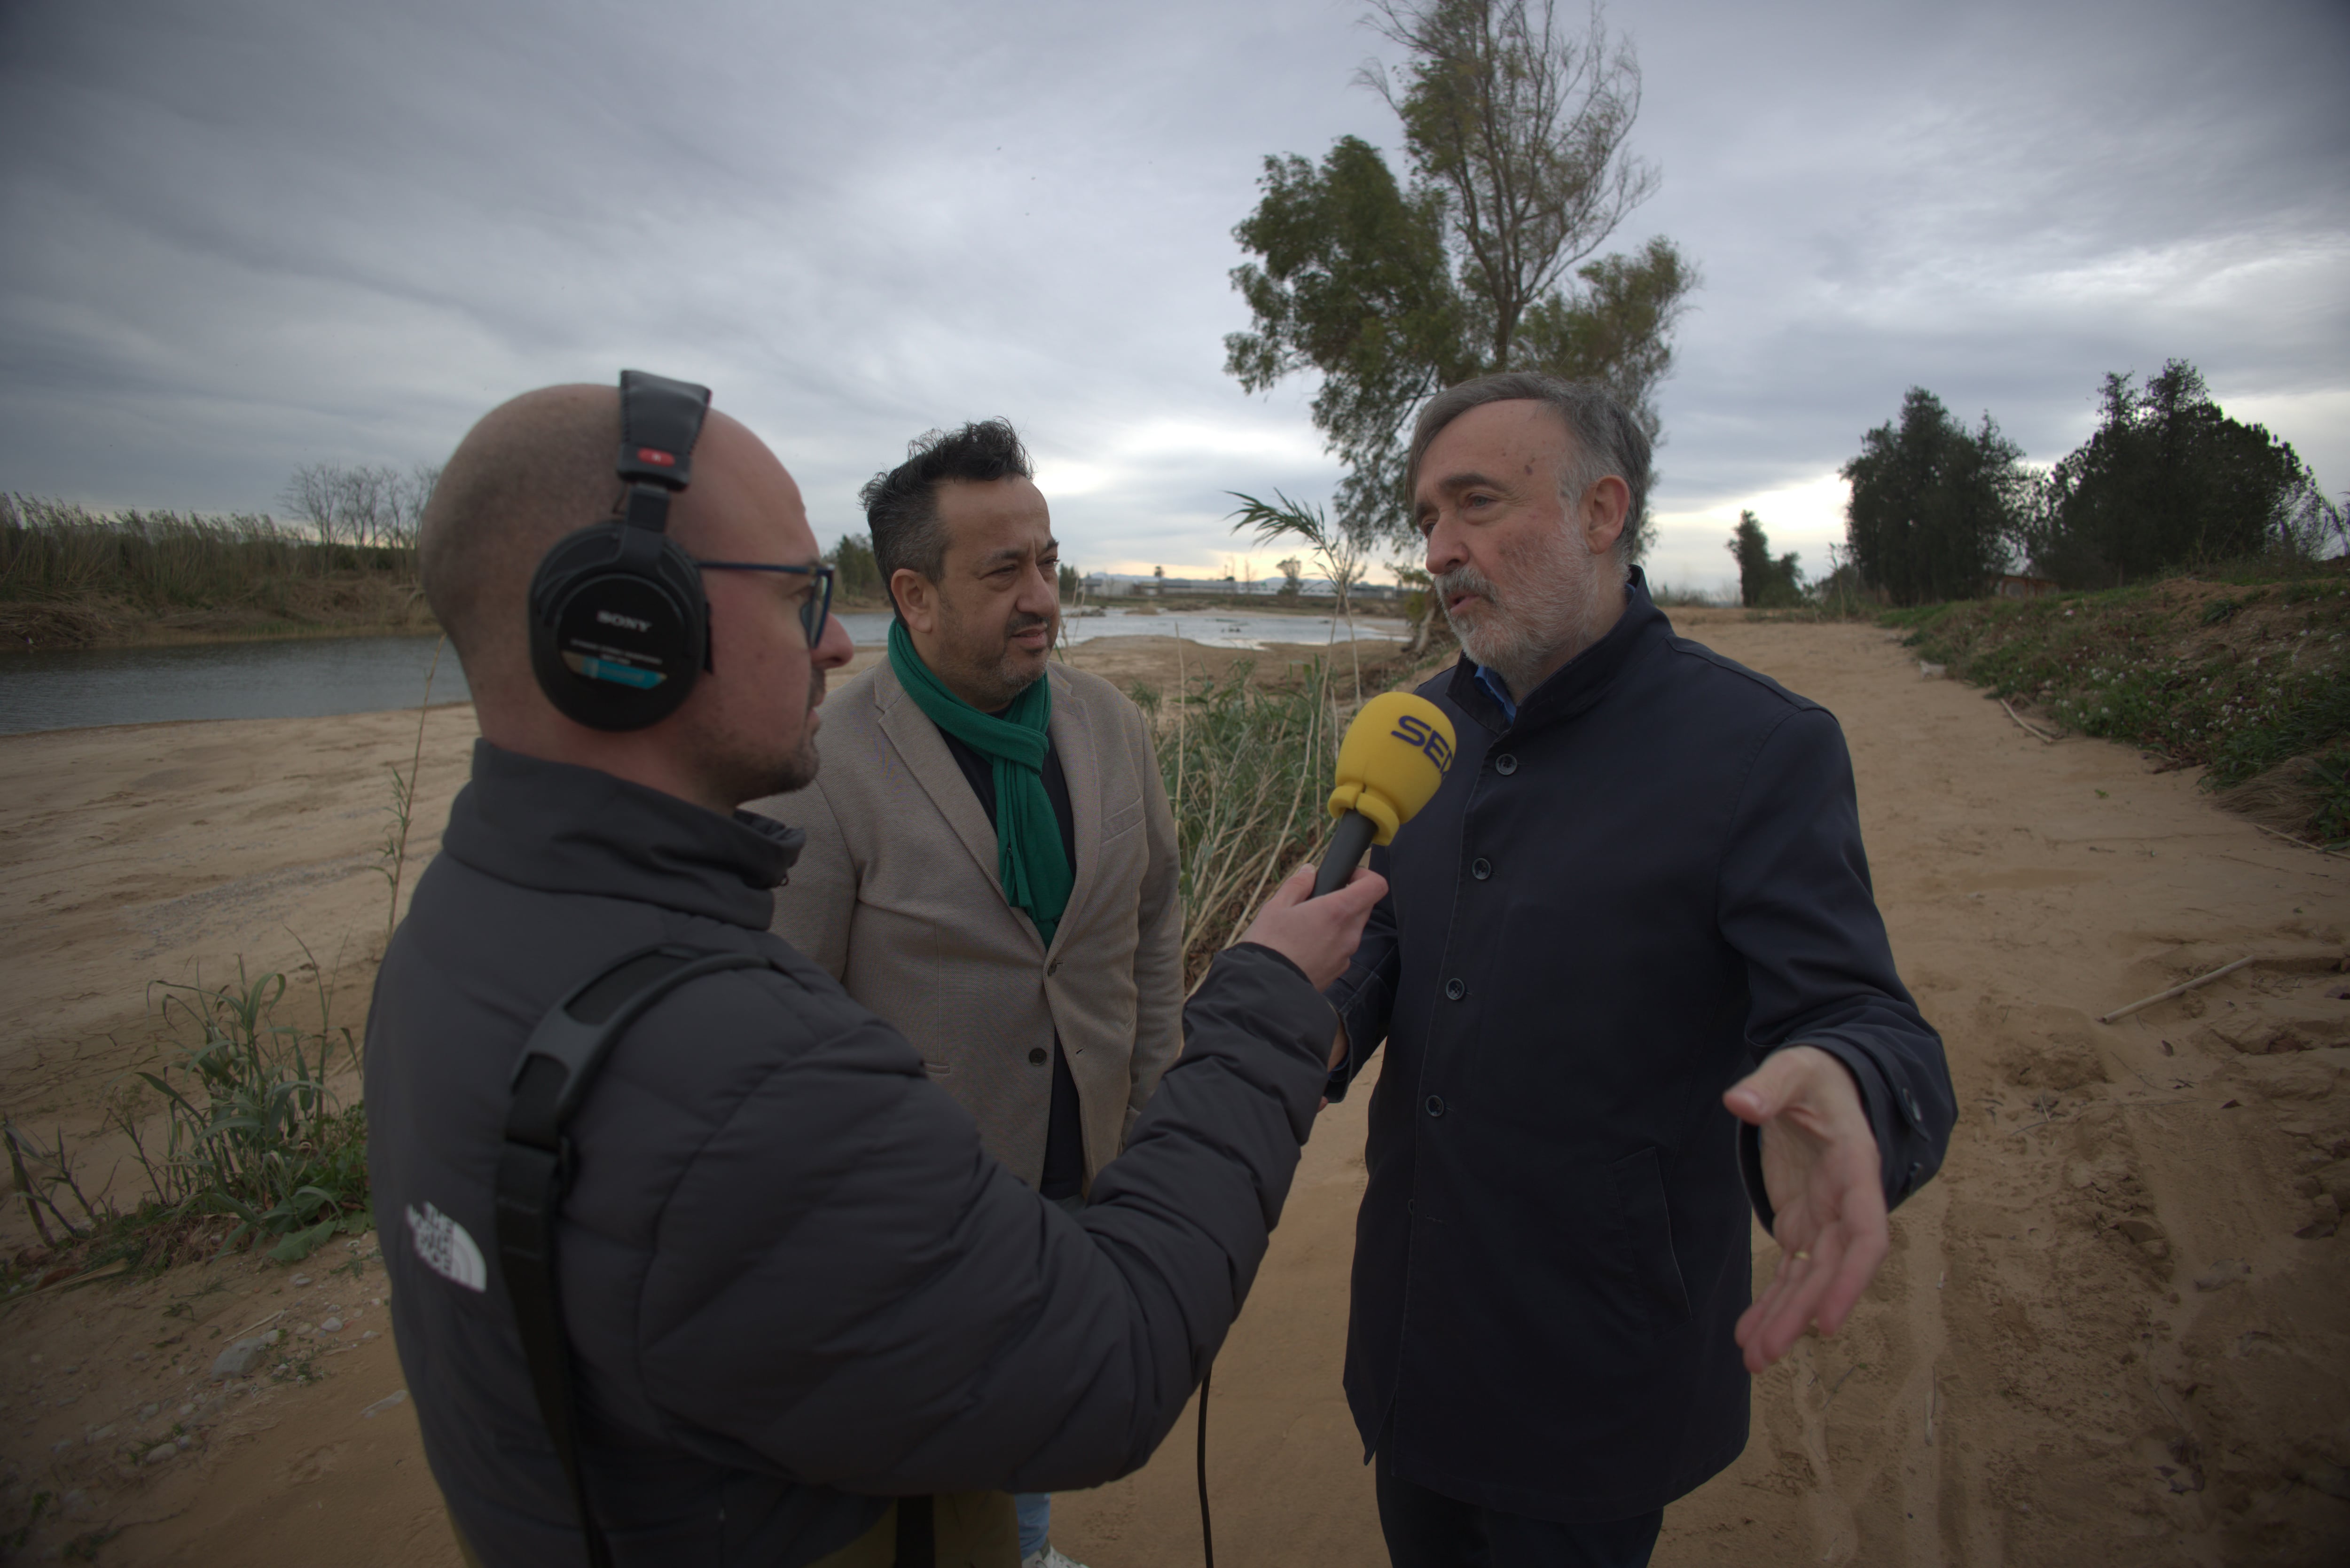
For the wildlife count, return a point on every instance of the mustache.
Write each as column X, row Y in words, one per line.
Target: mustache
column 1465, row 579
column 1020, row 623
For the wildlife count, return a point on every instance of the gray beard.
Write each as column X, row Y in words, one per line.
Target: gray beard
column 1551, row 609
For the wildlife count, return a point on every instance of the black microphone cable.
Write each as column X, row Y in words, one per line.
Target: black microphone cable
column 1207, row 1531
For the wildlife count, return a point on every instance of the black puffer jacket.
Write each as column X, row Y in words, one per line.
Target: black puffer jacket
column 794, row 1284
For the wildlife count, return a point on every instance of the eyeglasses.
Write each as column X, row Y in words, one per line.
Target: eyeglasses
column 813, row 610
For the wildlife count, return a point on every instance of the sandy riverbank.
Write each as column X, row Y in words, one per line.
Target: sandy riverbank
column 2099, row 1340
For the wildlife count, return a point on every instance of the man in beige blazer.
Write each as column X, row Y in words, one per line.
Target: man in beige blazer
column 1050, row 1010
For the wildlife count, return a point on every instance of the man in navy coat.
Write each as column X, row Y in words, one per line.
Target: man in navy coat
column 1630, row 975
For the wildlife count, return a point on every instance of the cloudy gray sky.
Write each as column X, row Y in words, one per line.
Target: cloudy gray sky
column 255, row 233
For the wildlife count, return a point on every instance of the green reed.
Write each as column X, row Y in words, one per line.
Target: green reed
column 1247, row 770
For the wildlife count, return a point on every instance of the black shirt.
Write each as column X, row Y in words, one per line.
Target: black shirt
column 1065, row 1138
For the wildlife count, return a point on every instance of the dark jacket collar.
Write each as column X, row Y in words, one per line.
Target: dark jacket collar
column 565, row 829
column 1580, row 681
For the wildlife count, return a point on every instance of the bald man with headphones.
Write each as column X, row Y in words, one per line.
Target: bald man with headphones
column 691, row 1263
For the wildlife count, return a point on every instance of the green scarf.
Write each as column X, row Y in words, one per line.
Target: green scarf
column 1028, row 856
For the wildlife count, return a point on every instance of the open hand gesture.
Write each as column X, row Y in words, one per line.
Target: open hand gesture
column 1820, row 1165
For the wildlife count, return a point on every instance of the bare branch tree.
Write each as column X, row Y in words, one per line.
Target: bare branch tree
column 411, row 493
column 1524, row 127
column 361, row 505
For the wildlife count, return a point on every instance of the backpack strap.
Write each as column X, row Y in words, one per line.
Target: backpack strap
column 551, row 1080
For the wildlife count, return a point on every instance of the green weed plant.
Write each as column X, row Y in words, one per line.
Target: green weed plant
column 252, row 1129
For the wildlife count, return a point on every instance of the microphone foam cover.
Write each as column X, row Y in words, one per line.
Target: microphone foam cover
column 1392, row 759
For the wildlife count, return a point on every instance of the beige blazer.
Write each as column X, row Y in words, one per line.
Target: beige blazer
column 897, row 894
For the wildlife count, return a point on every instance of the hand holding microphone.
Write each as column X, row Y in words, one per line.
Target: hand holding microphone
column 1318, row 935
column 1389, row 765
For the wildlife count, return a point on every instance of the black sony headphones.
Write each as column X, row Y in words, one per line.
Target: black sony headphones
column 618, row 624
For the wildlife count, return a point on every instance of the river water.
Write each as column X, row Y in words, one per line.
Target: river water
column 313, row 678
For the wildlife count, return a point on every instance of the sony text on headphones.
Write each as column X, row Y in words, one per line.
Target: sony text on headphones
column 618, row 624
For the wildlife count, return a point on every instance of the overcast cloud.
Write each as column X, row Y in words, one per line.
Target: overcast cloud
column 259, row 233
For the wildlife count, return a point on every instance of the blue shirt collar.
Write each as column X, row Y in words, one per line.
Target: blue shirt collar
column 1499, row 691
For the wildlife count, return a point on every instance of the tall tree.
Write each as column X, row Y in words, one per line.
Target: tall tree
column 2169, row 480
column 1357, row 284
column 855, row 573
column 1934, row 504
column 1518, row 133
column 1764, row 581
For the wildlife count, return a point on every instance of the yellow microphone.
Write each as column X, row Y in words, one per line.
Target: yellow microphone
column 1389, row 765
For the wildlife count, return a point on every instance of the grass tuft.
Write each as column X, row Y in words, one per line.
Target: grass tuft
column 255, row 1150
column 252, row 1129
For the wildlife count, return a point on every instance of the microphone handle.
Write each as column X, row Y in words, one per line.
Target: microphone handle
column 1348, row 842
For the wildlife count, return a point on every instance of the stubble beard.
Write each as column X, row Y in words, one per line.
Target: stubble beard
column 750, row 776
column 1551, row 606
column 1001, row 671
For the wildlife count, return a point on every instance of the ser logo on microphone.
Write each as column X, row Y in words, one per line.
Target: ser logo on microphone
column 1415, row 731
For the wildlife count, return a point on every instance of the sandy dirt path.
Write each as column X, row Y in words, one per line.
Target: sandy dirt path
column 2115, row 1331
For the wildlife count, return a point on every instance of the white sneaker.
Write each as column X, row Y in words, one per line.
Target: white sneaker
column 1049, row 1556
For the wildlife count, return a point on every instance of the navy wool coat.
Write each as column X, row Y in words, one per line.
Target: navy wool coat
column 1612, row 910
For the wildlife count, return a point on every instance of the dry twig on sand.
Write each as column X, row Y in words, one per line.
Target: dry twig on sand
column 2046, row 740
column 2305, row 844
column 2174, row 991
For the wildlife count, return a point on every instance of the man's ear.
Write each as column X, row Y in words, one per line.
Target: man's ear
column 1605, row 506
column 918, row 599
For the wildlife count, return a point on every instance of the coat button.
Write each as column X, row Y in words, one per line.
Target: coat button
column 1481, row 869
column 1456, row 988
column 1053, row 968
column 1909, row 1103
column 1436, row 1105
column 1505, row 765
column 1036, row 1057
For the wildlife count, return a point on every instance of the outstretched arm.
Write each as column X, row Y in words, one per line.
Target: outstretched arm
column 1851, row 1108
column 901, row 1314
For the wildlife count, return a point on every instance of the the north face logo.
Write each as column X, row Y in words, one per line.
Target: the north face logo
column 446, row 1248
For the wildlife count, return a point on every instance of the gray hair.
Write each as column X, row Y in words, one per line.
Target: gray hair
column 1606, row 435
